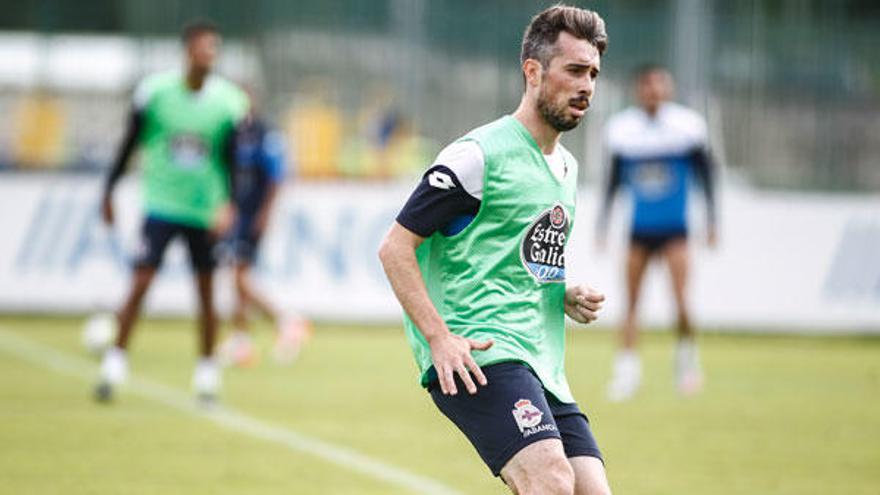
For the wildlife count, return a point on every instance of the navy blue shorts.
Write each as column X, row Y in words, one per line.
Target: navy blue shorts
column 157, row 233
column 654, row 242
column 511, row 412
column 243, row 242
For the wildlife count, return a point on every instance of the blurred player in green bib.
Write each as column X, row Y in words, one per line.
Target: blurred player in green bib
column 477, row 260
column 185, row 122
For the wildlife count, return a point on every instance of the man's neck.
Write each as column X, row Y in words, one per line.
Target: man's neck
column 652, row 111
column 545, row 136
column 195, row 79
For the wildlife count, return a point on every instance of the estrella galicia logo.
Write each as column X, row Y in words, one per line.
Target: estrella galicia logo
column 189, row 150
column 543, row 247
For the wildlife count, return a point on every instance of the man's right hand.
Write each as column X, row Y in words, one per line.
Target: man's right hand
column 107, row 210
column 451, row 354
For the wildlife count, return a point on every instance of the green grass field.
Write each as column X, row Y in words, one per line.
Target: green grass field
column 780, row 415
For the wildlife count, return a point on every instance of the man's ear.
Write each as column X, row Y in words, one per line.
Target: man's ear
column 533, row 72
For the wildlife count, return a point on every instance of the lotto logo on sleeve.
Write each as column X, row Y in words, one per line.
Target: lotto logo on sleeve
column 528, row 418
column 543, row 246
column 440, row 180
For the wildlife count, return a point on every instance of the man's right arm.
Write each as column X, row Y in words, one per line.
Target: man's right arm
column 123, row 155
column 398, row 256
column 449, row 193
column 450, row 353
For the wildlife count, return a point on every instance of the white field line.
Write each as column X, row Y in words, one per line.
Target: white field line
column 67, row 365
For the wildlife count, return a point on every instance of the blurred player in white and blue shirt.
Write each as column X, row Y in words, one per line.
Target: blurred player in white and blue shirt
column 658, row 151
column 259, row 173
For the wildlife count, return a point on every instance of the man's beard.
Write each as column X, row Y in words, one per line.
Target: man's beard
column 556, row 116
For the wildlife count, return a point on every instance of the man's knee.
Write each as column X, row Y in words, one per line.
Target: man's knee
column 556, row 477
column 590, row 478
column 559, row 478
column 594, row 487
column 597, row 490
column 553, row 475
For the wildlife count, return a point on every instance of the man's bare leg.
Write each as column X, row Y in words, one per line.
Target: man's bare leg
column 589, row 476
column 240, row 321
column 540, row 469
column 627, row 372
column 292, row 331
column 142, row 278
column 239, row 347
column 207, row 313
column 677, row 258
column 249, row 296
column 206, row 379
column 114, row 365
column 689, row 376
column 636, row 266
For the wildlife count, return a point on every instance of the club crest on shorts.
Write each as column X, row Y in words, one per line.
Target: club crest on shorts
column 543, row 246
column 526, row 415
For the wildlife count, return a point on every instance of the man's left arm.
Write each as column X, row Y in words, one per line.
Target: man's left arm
column 704, row 172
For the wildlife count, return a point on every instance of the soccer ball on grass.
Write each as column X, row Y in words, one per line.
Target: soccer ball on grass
column 98, row 333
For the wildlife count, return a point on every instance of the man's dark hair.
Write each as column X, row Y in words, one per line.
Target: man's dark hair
column 194, row 29
column 648, row 68
column 542, row 33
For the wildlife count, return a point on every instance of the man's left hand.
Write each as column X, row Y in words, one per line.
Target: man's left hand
column 223, row 220
column 582, row 303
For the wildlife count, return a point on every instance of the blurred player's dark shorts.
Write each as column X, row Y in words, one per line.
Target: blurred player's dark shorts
column 157, row 233
column 242, row 243
column 655, row 241
column 511, row 412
